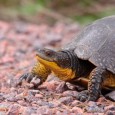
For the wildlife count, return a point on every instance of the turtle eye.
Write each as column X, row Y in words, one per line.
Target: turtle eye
column 48, row 53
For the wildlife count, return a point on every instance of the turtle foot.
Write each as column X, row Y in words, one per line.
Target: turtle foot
column 83, row 96
column 32, row 79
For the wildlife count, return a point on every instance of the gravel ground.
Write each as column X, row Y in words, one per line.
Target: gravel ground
column 18, row 44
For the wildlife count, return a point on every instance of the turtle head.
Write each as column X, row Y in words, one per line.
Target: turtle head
column 58, row 58
column 57, row 61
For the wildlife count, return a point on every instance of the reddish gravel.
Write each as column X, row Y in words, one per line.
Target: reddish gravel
column 18, row 44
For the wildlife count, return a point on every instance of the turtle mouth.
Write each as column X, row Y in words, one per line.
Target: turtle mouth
column 42, row 57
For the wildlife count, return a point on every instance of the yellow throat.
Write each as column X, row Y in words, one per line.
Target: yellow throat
column 65, row 74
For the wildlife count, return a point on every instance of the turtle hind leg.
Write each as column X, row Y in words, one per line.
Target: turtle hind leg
column 96, row 79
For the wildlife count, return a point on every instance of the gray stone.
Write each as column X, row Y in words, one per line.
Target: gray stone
column 111, row 96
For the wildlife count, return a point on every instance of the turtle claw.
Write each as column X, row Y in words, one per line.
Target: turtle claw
column 83, row 96
column 23, row 77
column 28, row 77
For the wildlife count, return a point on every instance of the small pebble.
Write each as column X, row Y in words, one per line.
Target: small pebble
column 39, row 95
column 66, row 100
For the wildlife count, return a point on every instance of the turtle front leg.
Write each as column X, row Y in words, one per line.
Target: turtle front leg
column 96, row 79
column 39, row 73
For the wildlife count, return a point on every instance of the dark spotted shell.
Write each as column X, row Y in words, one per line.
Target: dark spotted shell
column 96, row 43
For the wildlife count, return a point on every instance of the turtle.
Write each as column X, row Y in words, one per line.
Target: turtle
column 88, row 60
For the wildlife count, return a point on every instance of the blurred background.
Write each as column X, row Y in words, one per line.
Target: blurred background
column 49, row 11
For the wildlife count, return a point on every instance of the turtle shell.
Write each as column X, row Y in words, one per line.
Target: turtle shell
column 96, row 43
